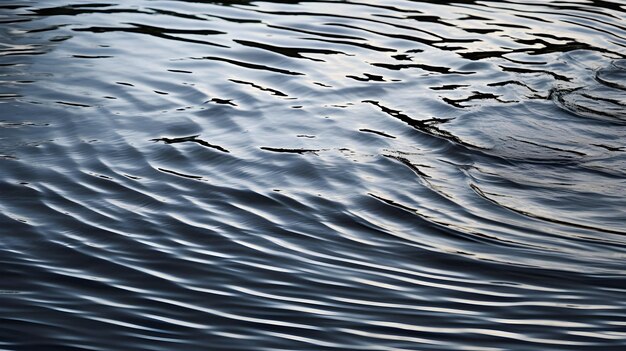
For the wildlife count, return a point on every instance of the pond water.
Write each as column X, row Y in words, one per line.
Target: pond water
column 313, row 175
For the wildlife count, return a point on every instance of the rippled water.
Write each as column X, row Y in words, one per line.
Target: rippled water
column 348, row 175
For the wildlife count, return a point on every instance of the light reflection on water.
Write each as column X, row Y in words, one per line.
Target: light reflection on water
column 363, row 175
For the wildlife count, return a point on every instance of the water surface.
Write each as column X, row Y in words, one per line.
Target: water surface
column 299, row 175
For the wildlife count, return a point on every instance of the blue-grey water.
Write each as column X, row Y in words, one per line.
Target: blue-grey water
column 313, row 175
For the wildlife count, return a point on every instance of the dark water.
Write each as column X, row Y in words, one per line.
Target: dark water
column 339, row 175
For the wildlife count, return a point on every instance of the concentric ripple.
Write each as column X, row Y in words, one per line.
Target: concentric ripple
column 312, row 175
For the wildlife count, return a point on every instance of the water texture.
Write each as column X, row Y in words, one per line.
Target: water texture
column 312, row 175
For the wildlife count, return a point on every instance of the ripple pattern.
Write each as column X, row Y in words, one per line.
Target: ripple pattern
column 312, row 175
